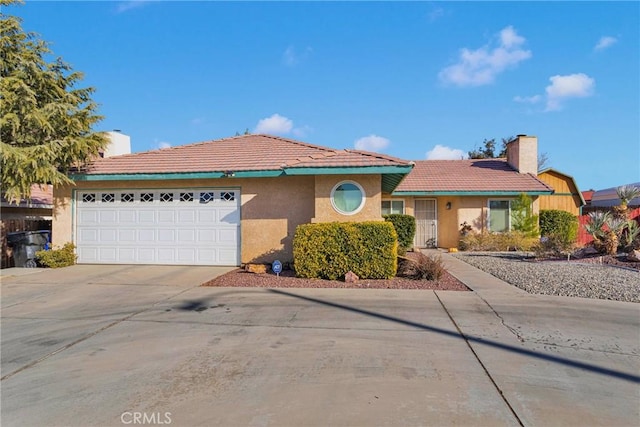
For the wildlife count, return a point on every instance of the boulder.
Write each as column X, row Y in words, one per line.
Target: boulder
column 256, row 268
column 634, row 256
column 351, row 277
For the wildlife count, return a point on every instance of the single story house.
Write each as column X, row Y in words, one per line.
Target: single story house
column 444, row 194
column 226, row 202
column 566, row 195
column 239, row 200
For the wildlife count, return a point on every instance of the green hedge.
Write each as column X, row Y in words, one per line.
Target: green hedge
column 559, row 224
column 330, row 250
column 405, row 226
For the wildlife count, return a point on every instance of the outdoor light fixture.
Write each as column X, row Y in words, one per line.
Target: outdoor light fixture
column 229, row 174
column 448, row 206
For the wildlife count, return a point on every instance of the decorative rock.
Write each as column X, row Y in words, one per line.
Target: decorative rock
column 634, row 256
column 256, row 268
column 351, row 277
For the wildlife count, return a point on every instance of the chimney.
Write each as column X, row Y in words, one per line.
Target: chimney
column 522, row 154
column 119, row 144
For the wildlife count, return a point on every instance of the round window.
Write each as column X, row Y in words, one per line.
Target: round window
column 347, row 197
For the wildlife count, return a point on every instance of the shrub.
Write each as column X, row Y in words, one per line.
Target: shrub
column 522, row 218
column 485, row 241
column 421, row 267
column 405, row 226
column 553, row 246
column 56, row 258
column 560, row 225
column 330, row 250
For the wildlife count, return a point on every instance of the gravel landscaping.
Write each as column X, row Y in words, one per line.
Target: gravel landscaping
column 581, row 278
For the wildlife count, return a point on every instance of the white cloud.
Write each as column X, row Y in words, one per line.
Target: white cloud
column 291, row 58
column 276, row 124
column 128, row 5
column 605, row 42
column 481, row 66
column 528, row 99
column 570, row 86
column 161, row 145
column 440, row 152
column 372, row 143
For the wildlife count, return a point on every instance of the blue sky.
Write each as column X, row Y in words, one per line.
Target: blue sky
column 414, row 80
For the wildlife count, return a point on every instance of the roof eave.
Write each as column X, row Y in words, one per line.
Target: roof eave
column 471, row 193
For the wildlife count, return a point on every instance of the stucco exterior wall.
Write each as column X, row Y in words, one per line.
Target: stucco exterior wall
column 470, row 209
column 324, row 211
column 271, row 208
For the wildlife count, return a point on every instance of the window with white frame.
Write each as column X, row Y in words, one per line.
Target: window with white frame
column 392, row 207
column 348, row 197
column 499, row 216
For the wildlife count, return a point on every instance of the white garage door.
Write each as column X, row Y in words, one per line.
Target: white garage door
column 190, row 226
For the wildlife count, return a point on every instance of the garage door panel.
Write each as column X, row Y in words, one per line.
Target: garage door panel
column 126, row 255
column 88, row 235
column 108, row 254
column 229, row 216
column 87, row 217
column 109, row 216
column 146, row 216
column 186, row 216
column 127, row 235
column 189, row 227
column 126, row 216
column 165, row 235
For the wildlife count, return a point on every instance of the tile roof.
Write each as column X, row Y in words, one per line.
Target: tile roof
column 487, row 175
column 241, row 153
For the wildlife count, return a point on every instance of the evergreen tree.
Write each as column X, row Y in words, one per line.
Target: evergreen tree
column 46, row 121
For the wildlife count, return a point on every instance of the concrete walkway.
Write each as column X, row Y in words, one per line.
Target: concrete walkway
column 102, row 345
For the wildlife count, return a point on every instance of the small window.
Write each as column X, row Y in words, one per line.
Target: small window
column 108, row 198
column 499, row 216
column 146, row 197
column 186, row 197
column 347, row 197
column 88, row 198
column 392, row 207
column 228, row 196
column 166, row 197
column 127, row 197
column 206, row 197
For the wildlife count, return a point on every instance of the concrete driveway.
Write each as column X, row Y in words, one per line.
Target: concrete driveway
column 126, row 345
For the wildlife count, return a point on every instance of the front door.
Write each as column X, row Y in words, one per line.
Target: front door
column 426, row 224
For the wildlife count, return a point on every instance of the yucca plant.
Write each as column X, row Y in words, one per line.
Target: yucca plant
column 629, row 237
column 626, row 193
column 595, row 226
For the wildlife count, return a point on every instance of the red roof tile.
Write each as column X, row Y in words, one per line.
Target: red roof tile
column 241, row 153
column 490, row 175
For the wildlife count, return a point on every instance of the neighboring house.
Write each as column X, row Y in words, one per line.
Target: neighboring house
column 226, row 202
column 444, row 194
column 30, row 214
column 566, row 195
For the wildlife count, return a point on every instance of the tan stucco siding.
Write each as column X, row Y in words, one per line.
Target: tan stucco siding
column 470, row 209
column 271, row 208
column 325, row 212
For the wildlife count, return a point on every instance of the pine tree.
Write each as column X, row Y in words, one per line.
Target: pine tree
column 46, row 121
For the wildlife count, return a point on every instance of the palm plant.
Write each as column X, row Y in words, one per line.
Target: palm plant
column 626, row 193
column 606, row 231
